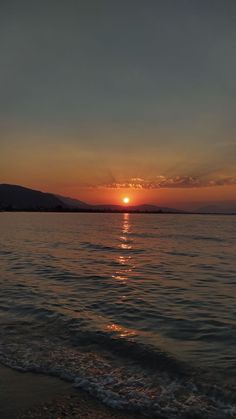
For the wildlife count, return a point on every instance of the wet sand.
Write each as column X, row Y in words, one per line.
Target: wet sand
column 21, row 391
column 29, row 395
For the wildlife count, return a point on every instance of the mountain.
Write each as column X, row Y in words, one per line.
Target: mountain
column 137, row 208
column 19, row 198
column 72, row 202
column 14, row 197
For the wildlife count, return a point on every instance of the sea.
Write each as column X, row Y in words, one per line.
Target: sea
column 139, row 310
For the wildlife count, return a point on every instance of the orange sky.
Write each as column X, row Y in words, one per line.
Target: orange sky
column 71, row 172
column 94, row 175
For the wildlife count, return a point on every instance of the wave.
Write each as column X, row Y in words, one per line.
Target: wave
column 208, row 238
column 121, row 372
column 101, row 247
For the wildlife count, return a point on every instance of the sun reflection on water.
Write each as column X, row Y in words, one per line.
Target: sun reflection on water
column 120, row 331
column 124, row 260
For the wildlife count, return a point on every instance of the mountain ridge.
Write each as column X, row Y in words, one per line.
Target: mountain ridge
column 20, row 198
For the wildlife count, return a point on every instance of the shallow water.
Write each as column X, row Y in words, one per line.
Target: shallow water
column 134, row 308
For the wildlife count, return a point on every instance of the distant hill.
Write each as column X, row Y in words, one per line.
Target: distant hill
column 137, row 208
column 72, row 202
column 19, row 198
column 14, row 197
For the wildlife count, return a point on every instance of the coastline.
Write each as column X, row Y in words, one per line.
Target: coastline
column 26, row 395
column 123, row 211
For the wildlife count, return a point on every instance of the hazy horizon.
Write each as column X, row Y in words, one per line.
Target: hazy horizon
column 218, row 206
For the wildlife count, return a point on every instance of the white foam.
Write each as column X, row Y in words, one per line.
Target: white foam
column 118, row 384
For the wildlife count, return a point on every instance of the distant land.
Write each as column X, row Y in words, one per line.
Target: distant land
column 19, row 198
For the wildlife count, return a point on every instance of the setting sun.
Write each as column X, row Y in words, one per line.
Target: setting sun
column 126, row 200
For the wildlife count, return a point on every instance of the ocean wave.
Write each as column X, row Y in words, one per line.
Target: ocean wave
column 101, row 247
column 122, row 373
column 208, row 238
column 124, row 387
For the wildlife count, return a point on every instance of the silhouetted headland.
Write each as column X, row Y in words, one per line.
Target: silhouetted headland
column 19, row 198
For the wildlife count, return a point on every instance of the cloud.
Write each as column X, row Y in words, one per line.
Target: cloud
column 170, row 182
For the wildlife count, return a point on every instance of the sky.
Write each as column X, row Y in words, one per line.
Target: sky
column 103, row 99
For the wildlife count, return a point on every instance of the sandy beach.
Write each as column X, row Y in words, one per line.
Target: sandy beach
column 29, row 395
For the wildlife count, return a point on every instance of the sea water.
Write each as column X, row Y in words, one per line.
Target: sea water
column 137, row 309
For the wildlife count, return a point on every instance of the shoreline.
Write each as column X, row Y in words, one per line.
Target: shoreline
column 125, row 211
column 26, row 395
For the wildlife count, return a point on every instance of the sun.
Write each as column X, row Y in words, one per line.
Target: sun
column 126, row 200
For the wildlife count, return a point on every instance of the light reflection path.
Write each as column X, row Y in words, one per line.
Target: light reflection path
column 124, row 260
column 122, row 274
